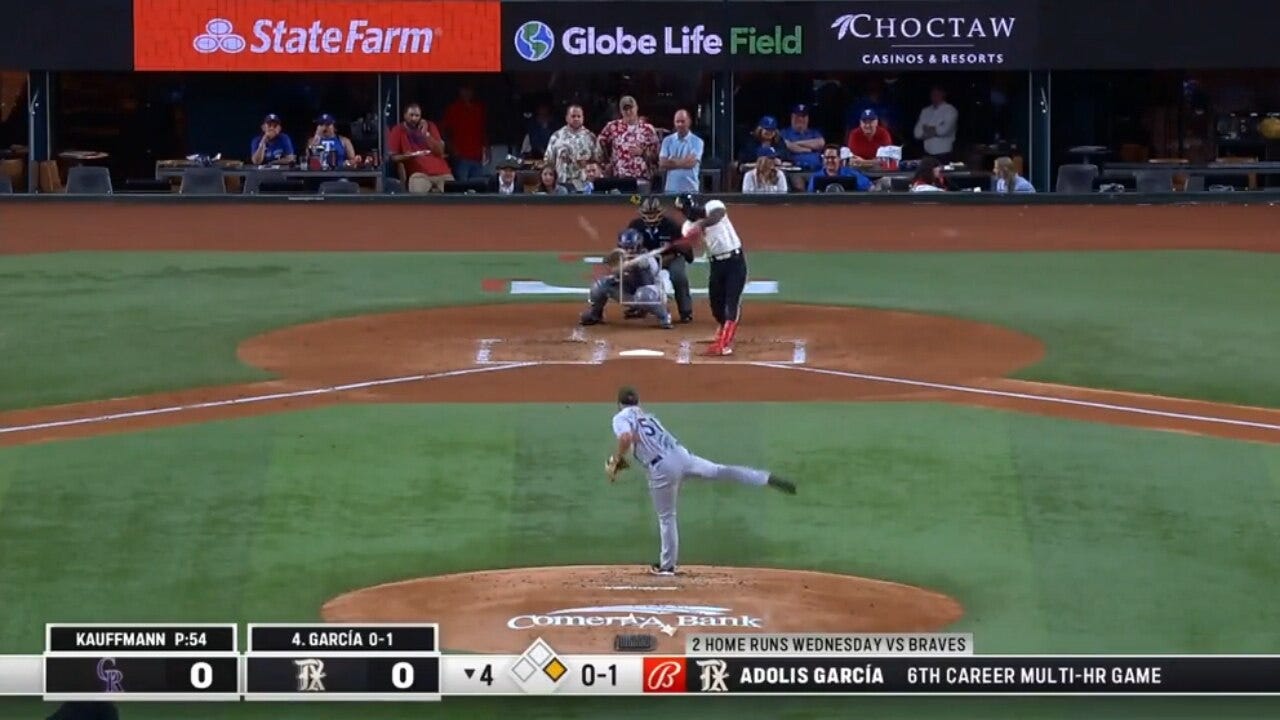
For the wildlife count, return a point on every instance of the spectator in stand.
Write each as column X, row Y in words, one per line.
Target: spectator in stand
column 628, row 146
column 766, row 176
column 681, row 157
column 866, row 139
column 1007, row 178
column 465, row 125
column 272, row 147
column 343, row 153
column 928, row 177
column 591, row 172
column 417, row 144
column 549, row 183
column 873, row 100
column 832, row 166
column 571, row 148
column 537, row 134
column 505, row 183
column 937, row 126
column 803, row 143
column 764, row 137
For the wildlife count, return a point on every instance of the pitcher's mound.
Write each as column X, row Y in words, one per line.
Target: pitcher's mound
column 579, row 609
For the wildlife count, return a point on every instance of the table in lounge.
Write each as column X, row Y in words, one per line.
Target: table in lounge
column 165, row 172
column 1220, row 169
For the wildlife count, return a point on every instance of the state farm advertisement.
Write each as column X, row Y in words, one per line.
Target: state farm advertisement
column 317, row 35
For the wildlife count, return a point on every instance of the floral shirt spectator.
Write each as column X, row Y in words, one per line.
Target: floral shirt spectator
column 571, row 148
column 628, row 144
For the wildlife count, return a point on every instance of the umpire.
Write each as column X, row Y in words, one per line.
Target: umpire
column 657, row 230
column 728, row 278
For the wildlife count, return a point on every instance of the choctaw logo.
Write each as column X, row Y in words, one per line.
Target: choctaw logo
column 217, row 36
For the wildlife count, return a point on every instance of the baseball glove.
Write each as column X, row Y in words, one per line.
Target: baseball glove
column 615, row 465
column 616, row 257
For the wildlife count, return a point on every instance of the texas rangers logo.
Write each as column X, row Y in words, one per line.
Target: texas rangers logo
column 111, row 677
column 714, row 674
column 310, row 675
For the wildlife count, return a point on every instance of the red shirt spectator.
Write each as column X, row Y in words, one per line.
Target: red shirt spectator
column 868, row 137
column 414, row 136
column 464, row 121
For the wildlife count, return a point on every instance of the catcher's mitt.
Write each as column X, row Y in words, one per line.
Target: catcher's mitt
column 615, row 465
column 615, row 258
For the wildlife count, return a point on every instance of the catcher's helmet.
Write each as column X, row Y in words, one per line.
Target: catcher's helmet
column 651, row 209
column 690, row 205
column 630, row 240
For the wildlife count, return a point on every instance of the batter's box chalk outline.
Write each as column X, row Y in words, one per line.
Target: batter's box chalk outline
column 484, row 351
column 799, row 354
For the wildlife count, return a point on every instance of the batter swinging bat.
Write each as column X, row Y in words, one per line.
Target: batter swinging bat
column 686, row 241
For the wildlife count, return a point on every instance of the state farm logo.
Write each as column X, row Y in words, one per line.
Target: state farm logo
column 279, row 37
column 663, row 618
column 218, row 36
column 664, row 675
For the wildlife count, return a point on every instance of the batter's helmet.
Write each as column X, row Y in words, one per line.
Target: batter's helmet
column 690, row 205
column 630, row 240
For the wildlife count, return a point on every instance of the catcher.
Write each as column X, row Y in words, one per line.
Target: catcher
column 639, row 283
column 660, row 231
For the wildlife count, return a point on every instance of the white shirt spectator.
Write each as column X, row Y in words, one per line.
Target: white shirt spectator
column 942, row 117
column 752, row 184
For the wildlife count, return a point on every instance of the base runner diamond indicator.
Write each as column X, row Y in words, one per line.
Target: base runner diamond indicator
column 555, row 669
column 539, row 656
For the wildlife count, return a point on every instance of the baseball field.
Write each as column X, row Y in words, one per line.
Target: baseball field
column 1054, row 427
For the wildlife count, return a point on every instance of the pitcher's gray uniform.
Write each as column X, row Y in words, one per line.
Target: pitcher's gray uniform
column 668, row 463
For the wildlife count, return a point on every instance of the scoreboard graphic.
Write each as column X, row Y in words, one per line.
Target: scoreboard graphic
column 404, row 662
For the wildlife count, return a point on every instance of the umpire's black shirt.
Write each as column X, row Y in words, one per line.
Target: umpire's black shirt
column 655, row 236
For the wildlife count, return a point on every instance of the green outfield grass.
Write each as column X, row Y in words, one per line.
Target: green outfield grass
column 79, row 326
column 1056, row 536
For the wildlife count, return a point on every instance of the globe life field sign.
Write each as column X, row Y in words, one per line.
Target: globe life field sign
column 589, row 36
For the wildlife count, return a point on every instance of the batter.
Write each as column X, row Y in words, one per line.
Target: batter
column 667, row 464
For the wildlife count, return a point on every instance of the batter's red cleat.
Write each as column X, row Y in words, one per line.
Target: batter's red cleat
column 730, row 329
column 718, row 349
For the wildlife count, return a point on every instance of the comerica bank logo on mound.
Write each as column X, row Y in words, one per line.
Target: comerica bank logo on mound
column 535, row 41
column 278, row 36
column 656, row 617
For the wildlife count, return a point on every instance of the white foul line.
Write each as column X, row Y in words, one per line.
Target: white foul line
column 328, row 390
column 1025, row 396
column 641, row 587
column 686, row 349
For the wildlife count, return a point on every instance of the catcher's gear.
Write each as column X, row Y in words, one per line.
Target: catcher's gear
column 615, row 465
column 690, row 205
column 630, row 240
column 616, row 257
column 651, row 209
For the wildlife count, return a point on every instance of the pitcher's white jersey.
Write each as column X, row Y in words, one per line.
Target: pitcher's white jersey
column 652, row 441
column 720, row 238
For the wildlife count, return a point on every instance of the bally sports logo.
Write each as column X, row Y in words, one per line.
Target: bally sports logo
column 277, row 36
column 663, row 618
column 665, row 675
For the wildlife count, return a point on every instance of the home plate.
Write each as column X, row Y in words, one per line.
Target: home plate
column 641, row 353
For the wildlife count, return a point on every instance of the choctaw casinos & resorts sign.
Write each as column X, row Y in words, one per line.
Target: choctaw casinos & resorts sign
column 930, row 35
